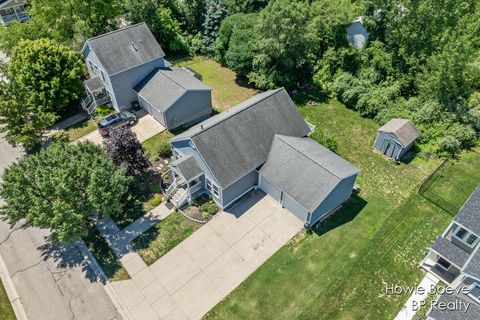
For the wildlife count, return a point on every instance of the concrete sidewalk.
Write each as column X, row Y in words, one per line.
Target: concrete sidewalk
column 411, row 306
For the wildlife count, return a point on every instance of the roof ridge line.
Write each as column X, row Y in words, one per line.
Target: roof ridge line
column 173, row 80
column 309, row 158
column 275, row 91
column 115, row 31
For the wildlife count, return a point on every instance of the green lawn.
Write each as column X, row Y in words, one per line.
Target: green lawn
column 228, row 89
column 78, row 130
column 105, row 257
column 6, row 311
column 157, row 144
column 162, row 238
column 378, row 238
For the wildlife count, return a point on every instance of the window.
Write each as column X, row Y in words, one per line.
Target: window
column 90, row 64
column 474, row 292
column 103, row 75
column 213, row 188
column 444, row 264
column 465, row 236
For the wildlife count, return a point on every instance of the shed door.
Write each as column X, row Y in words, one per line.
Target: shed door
column 270, row 189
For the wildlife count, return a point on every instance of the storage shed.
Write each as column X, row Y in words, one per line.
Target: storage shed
column 396, row 137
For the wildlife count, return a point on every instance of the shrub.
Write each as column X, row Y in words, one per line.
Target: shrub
column 325, row 139
column 103, row 110
column 164, row 150
column 205, row 215
column 209, row 207
column 155, row 200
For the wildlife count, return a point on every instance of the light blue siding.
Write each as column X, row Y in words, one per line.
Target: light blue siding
column 339, row 195
column 294, row 207
column 192, row 107
column 239, row 187
column 388, row 145
column 124, row 82
column 357, row 35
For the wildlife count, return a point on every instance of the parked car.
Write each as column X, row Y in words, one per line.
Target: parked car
column 116, row 120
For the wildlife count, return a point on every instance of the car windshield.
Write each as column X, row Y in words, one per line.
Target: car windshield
column 123, row 115
column 110, row 118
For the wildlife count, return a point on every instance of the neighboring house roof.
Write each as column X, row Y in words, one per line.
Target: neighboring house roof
column 305, row 170
column 450, row 251
column 472, row 313
column 11, row 3
column 469, row 214
column 188, row 166
column 403, row 129
column 163, row 87
column 125, row 48
column 237, row 141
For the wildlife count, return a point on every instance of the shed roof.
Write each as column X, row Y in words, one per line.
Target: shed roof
column 188, row 166
column 125, row 48
column 403, row 129
column 237, row 141
column 469, row 214
column 305, row 170
column 162, row 87
column 11, row 3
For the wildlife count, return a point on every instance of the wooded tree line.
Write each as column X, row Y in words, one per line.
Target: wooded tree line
column 421, row 61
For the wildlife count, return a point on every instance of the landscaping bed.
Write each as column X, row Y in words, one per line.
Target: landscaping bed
column 203, row 208
column 164, row 236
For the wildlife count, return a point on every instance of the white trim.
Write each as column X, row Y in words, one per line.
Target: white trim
column 440, row 266
column 473, row 244
column 442, row 256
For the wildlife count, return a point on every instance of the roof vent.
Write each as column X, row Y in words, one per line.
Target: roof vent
column 134, row 47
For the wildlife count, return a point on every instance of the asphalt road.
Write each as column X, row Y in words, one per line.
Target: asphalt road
column 52, row 283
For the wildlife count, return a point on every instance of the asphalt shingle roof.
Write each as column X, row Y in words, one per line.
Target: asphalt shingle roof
column 450, row 251
column 469, row 214
column 238, row 140
column 126, row 48
column 305, row 170
column 188, row 166
column 473, row 312
column 94, row 84
column 162, row 87
column 403, row 129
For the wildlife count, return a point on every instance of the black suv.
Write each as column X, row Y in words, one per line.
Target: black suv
column 116, row 120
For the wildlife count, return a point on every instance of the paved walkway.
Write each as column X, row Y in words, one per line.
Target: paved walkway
column 202, row 270
column 411, row 307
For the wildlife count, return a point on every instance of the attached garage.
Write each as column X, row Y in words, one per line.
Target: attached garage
column 174, row 97
column 395, row 138
column 306, row 178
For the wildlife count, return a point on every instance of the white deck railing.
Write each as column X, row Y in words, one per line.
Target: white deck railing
column 182, row 199
column 171, row 189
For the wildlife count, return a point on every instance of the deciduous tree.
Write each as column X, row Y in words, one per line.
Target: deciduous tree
column 63, row 188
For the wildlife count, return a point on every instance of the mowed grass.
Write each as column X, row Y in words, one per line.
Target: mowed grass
column 164, row 236
column 228, row 89
column 78, row 130
column 6, row 311
column 378, row 238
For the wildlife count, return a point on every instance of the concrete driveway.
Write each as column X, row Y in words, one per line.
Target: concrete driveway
column 145, row 128
column 197, row 274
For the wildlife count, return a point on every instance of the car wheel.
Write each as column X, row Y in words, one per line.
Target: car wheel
column 131, row 123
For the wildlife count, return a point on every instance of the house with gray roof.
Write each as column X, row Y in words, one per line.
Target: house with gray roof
column 395, row 138
column 454, row 258
column 261, row 143
column 128, row 66
column 11, row 10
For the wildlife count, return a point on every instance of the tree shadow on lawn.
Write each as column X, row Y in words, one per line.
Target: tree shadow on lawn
column 307, row 95
column 343, row 216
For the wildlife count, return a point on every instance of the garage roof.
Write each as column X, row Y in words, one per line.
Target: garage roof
column 163, row 87
column 305, row 170
column 237, row 141
column 403, row 129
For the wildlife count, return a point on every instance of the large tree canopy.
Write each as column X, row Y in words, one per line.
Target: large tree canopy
column 63, row 188
column 49, row 70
